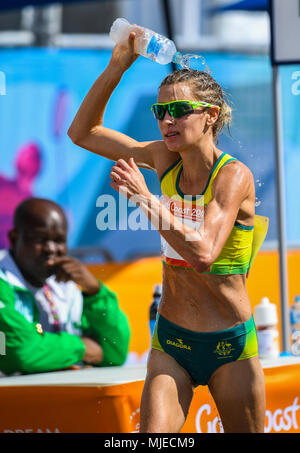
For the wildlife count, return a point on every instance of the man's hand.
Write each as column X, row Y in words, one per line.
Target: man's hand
column 66, row 268
column 93, row 351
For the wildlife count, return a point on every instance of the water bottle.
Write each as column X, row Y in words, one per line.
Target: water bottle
column 295, row 326
column 154, row 307
column 149, row 44
column 267, row 333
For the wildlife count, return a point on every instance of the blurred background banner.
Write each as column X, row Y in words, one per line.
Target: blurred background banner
column 285, row 15
column 14, row 4
column 248, row 5
column 51, row 55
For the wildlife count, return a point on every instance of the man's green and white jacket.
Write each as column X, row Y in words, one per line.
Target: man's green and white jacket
column 22, row 307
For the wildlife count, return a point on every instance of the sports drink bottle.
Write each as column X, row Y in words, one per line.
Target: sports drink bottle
column 154, row 307
column 267, row 333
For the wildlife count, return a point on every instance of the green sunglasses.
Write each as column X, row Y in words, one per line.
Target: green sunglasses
column 177, row 108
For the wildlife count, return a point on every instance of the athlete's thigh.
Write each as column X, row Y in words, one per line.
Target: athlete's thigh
column 238, row 389
column 167, row 395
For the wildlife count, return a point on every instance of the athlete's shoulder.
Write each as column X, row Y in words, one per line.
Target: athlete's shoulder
column 234, row 176
column 234, row 167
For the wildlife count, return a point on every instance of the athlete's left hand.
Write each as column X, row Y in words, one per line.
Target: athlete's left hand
column 127, row 179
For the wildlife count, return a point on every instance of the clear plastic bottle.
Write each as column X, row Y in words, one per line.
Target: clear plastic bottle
column 295, row 326
column 154, row 307
column 149, row 44
column 267, row 333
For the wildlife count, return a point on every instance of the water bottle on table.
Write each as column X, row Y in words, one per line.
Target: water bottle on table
column 266, row 320
column 295, row 326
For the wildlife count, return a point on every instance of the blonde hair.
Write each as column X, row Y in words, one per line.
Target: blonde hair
column 205, row 89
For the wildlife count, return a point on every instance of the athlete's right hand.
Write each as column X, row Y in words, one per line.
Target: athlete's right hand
column 124, row 54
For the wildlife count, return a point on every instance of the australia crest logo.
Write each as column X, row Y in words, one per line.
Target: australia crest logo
column 224, row 349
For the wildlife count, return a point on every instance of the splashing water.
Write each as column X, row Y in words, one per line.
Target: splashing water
column 257, row 202
column 259, row 183
column 241, row 146
column 184, row 61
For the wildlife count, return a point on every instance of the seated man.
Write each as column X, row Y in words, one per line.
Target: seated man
column 48, row 322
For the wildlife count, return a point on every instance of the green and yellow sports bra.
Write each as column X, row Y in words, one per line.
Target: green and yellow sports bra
column 243, row 242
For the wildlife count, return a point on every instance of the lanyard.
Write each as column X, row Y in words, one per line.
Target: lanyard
column 53, row 309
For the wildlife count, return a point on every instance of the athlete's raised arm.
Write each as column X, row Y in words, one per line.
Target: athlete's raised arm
column 87, row 128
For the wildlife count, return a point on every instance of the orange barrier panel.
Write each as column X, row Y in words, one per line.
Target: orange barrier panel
column 134, row 281
column 116, row 408
column 70, row 409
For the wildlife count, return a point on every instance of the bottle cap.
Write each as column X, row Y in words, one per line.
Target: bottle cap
column 265, row 313
column 157, row 289
column 118, row 29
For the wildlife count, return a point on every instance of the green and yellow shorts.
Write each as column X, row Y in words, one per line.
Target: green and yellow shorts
column 201, row 353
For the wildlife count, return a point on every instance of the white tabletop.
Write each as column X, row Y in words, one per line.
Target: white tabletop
column 280, row 361
column 85, row 376
column 107, row 376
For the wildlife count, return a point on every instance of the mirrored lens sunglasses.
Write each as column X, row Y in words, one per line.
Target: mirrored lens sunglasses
column 177, row 108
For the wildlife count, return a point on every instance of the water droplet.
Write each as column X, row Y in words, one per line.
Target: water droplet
column 184, row 61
